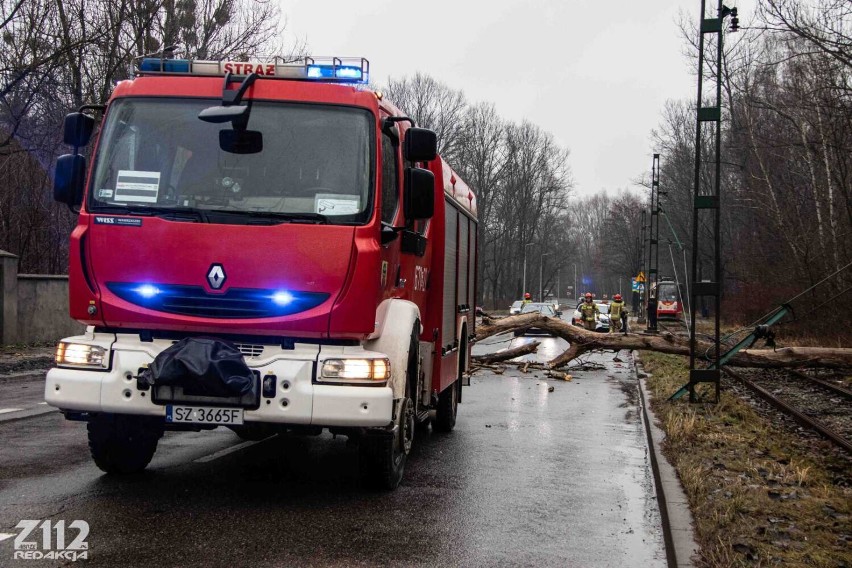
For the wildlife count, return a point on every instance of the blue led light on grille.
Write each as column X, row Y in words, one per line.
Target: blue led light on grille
column 147, row 291
column 154, row 64
column 235, row 303
column 282, row 298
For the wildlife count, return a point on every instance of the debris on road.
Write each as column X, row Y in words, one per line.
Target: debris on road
column 558, row 375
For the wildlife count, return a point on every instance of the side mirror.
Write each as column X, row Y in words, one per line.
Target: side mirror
column 418, row 195
column 241, row 141
column 420, row 145
column 69, row 179
column 78, row 129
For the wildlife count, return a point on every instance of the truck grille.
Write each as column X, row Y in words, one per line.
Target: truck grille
column 236, row 303
column 249, row 350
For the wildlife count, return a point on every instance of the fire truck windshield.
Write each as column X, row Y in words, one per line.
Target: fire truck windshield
column 316, row 163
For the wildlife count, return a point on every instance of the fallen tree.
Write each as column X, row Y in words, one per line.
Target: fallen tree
column 583, row 341
column 506, row 354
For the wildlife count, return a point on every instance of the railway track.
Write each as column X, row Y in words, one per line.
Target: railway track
column 835, row 389
column 813, row 403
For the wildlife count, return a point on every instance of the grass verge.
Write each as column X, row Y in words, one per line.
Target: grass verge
column 760, row 495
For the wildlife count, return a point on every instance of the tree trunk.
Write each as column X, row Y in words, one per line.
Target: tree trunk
column 507, row 354
column 582, row 341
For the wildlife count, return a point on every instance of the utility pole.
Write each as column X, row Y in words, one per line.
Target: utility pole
column 707, row 201
column 653, row 249
column 524, row 291
column 643, row 289
column 558, row 284
column 576, row 291
column 540, row 274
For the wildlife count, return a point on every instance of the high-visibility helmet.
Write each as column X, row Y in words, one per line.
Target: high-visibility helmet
column 617, row 297
column 527, row 296
column 588, row 295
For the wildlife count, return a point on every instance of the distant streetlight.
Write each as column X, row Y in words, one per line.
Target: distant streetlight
column 540, row 274
column 575, row 281
column 524, row 291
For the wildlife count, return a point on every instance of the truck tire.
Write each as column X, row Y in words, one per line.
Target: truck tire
column 123, row 444
column 448, row 404
column 448, row 400
column 383, row 456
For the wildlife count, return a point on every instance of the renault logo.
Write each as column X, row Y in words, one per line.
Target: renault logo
column 216, row 276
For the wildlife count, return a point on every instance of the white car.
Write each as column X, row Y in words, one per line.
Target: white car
column 515, row 308
column 544, row 309
column 602, row 319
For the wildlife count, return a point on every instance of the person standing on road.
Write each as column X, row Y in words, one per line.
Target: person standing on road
column 527, row 298
column 617, row 312
column 589, row 312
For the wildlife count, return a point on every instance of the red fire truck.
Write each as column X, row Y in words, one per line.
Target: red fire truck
column 266, row 247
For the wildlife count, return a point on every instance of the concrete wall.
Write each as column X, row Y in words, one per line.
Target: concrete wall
column 8, row 297
column 43, row 309
column 33, row 307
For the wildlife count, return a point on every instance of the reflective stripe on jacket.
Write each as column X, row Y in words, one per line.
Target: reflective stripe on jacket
column 588, row 311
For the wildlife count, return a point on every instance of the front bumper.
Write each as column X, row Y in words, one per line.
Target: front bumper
column 298, row 397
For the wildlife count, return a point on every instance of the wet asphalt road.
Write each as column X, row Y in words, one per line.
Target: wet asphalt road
column 528, row 478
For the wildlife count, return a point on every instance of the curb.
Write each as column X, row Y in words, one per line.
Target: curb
column 675, row 514
column 28, row 413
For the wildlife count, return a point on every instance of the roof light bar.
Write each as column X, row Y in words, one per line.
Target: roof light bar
column 326, row 69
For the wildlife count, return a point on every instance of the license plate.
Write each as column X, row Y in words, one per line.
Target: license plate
column 203, row 415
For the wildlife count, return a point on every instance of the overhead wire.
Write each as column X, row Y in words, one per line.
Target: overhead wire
column 726, row 339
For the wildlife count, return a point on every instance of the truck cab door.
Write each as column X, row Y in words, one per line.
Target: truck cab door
column 391, row 212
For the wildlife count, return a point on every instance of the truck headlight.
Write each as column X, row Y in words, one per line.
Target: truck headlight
column 81, row 355
column 356, row 370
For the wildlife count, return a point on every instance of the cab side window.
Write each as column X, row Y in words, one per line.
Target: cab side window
column 390, row 179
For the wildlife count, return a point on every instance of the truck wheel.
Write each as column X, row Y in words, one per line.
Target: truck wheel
column 448, row 401
column 383, row 456
column 448, row 405
column 123, row 444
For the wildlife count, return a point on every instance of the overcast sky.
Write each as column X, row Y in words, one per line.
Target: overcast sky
column 594, row 73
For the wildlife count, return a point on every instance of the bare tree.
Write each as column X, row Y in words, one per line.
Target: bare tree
column 433, row 105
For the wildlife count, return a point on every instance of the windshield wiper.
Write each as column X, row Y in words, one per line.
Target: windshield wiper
column 151, row 211
column 316, row 218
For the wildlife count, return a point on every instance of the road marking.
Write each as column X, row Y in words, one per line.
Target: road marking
column 5, row 410
column 4, row 536
column 226, row 451
column 42, row 403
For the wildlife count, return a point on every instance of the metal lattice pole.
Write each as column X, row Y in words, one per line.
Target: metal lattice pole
column 643, row 290
column 707, row 203
column 653, row 277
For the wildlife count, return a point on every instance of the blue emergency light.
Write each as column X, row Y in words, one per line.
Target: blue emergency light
column 332, row 72
column 327, row 69
column 156, row 65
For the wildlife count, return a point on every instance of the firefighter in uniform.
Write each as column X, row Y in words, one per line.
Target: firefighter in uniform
column 589, row 312
column 527, row 298
column 617, row 311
